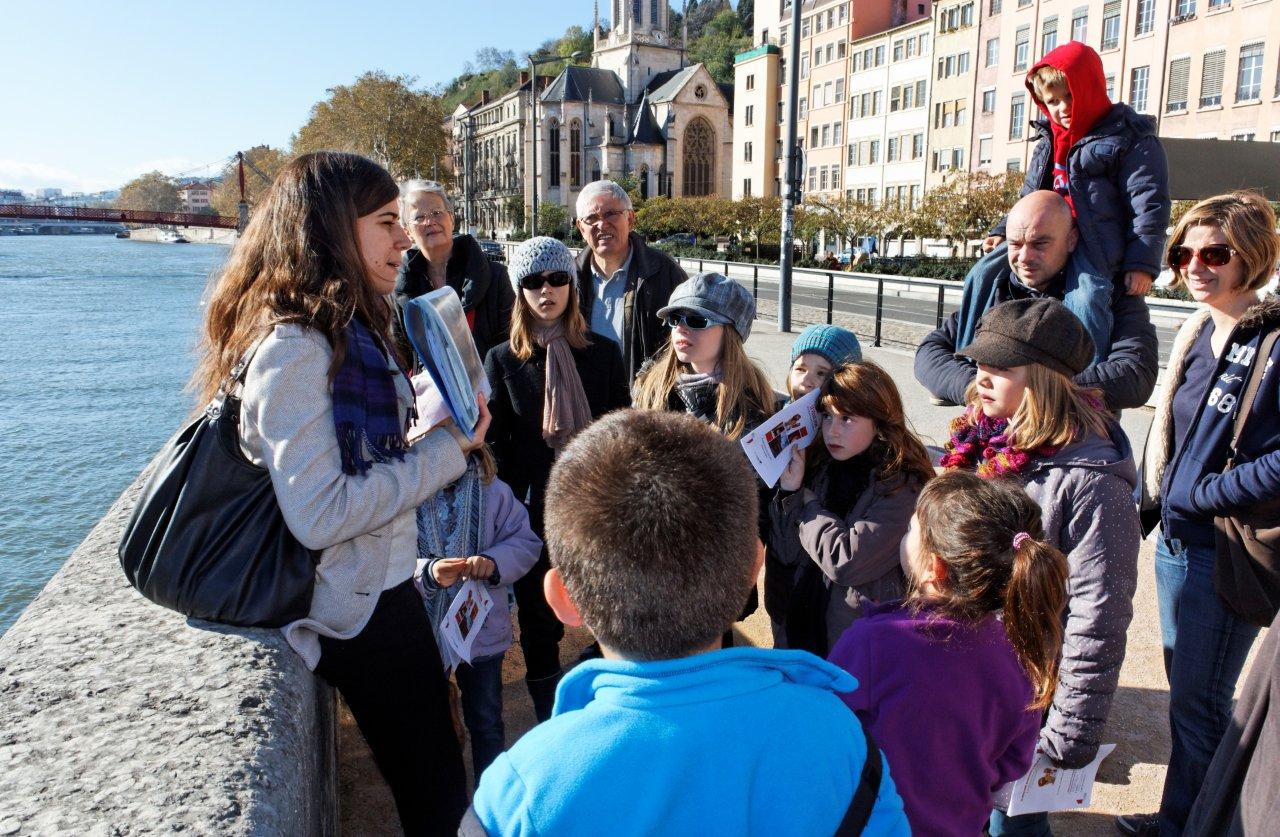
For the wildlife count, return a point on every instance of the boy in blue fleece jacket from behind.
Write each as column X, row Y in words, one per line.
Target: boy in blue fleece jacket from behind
column 651, row 531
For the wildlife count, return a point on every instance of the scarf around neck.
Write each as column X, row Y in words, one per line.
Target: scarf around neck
column 981, row 444
column 366, row 406
column 565, row 410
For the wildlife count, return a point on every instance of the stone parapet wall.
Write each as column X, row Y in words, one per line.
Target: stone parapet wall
column 120, row 717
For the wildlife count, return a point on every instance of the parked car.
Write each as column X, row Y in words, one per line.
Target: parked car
column 493, row 250
column 680, row 239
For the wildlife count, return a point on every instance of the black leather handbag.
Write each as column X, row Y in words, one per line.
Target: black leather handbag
column 207, row 538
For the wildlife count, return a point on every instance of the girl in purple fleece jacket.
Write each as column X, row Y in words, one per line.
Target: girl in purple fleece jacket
column 475, row 528
column 952, row 681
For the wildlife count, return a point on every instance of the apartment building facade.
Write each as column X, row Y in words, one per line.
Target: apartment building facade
column 1202, row 68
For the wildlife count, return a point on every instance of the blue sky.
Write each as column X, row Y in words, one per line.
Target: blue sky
column 92, row 93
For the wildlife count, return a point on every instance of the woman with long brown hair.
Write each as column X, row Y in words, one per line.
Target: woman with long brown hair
column 325, row 407
column 843, row 505
column 550, row 380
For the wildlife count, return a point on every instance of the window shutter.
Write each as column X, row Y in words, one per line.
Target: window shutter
column 1215, row 64
column 1179, row 74
column 1112, row 7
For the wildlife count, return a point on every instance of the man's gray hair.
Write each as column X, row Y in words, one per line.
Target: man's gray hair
column 602, row 187
column 409, row 188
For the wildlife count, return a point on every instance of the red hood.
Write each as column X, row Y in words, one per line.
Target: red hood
column 1083, row 69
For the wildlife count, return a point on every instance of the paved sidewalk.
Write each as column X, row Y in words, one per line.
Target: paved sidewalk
column 1129, row 781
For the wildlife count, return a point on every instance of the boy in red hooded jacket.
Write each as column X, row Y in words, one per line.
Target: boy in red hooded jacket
column 1105, row 159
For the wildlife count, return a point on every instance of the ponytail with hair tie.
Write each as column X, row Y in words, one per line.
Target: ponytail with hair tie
column 1033, row 603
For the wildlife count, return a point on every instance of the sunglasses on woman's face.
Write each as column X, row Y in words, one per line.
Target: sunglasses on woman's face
column 1215, row 255
column 697, row 322
column 534, row 281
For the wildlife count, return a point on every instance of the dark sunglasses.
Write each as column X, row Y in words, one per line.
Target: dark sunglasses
column 534, row 281
column 697, row 322
column 1215, row 255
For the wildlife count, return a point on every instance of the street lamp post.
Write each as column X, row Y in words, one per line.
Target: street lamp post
column 533, row 95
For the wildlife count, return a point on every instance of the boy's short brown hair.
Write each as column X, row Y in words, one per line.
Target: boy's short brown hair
column 651, row 521
column 1047, row 78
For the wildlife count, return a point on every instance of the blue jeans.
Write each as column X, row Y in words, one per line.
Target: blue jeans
column 481, row 687
column 1023, row 825
column 1204, row 651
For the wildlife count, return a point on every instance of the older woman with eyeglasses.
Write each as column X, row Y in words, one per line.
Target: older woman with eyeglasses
column 550, row 380
column 1224, row 251
column 439, row 258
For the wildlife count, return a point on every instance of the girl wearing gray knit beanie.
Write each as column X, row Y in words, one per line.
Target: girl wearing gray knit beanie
column 552, row 378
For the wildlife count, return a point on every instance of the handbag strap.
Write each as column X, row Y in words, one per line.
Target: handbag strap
column 234, row 377
column 858, row 814
column 1251, row 388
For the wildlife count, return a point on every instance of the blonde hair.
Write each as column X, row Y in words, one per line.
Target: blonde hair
column 745, row 386
column 523, row 323
column 1046, row 79
column 1249, row 224
column 1055, row 411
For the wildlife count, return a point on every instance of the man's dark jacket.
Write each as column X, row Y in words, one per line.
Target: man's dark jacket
column 651, row 278
column 1126, row 376
column 485, row 289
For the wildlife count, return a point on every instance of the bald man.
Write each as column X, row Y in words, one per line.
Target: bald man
column 1040, row 258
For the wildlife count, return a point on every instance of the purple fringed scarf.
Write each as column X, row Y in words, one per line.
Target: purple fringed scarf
column 366, row 408
column 981, row 443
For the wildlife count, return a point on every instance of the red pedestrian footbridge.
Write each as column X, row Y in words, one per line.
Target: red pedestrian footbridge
column 30, row 211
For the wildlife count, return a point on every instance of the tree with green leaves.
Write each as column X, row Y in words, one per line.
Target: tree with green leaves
column 382, row 117
column 760, row 219
column 553, row 220
column 152, row 192
column 721, row 40
column 968, row 204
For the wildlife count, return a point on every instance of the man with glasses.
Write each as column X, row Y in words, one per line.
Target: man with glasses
column 622, row 282
column 1040, row 258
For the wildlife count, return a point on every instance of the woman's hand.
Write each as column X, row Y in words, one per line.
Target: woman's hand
column 448, row 570
column 793, row 477
column 470, row 446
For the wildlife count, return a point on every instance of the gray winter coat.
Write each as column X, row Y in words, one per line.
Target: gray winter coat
column 1085, row 493
column 858, row 555
column 1119, row 181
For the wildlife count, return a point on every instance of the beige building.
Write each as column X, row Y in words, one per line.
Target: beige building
column 956, row 57
column 194, row 197
column 757, row 133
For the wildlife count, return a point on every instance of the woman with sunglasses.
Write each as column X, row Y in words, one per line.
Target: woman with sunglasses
column 1224, row 251
column 550, row 380
column 704, row 370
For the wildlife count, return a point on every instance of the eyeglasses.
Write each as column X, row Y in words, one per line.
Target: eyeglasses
column 603, row 217
column 535, row 281
column 697, row 322
column 433, row 216
column 1215, row 255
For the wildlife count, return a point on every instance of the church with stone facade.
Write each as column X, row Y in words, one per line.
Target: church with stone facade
column 640, row 109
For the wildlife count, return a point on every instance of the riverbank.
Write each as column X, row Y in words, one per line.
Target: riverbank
column 193, row 235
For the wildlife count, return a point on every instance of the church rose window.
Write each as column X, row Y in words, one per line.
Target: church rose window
column 699, row 158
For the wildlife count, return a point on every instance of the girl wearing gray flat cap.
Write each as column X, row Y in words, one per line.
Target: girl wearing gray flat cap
column 550, row 380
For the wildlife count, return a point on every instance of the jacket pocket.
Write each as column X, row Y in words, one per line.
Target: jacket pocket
column 1101, row 157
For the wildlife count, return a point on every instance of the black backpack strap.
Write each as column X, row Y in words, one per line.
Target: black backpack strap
column 865, row 794
column 1251, row 388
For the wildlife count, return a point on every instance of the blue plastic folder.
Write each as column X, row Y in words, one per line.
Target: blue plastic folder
column 437, row 328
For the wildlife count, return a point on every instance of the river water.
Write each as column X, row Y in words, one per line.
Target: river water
column 97, row 340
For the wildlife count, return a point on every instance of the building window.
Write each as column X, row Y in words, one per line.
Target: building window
column 836, row 132
column 1211, row 78
column 1244, row 136
column 915, row 196
column 1111, row 25
column 1110, row 79
column 1184, row 9
column 822, row 179
column 751, row 82
column 879, row 55
column 826, row 135
column 897, row 50
column 1021, row 49
column 874, row 152
column 749, row 115
column 1049, row 35
column 1144, row 21
column 813, row 178
column 1179, row 72
column 746, row 152
column 653, row 12
column 994, row 7
column 988, row 101
column 813, row 137
column 804, row 107
column 1249, row 77
column 1079, row 24
column 917, row 146
column 1139, row 78
column 746, row 187
column 575, row 154
column 839, row 91
column 984, row 151
column 553, row 152
column 699, row 158
column 1013, row 164
column 1017, row 110
column 891, row 156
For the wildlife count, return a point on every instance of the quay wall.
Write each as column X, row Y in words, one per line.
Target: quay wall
column 120, row 717
column 195, row 235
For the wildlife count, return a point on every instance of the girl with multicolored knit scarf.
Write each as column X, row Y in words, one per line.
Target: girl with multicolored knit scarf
column 1028, row 420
